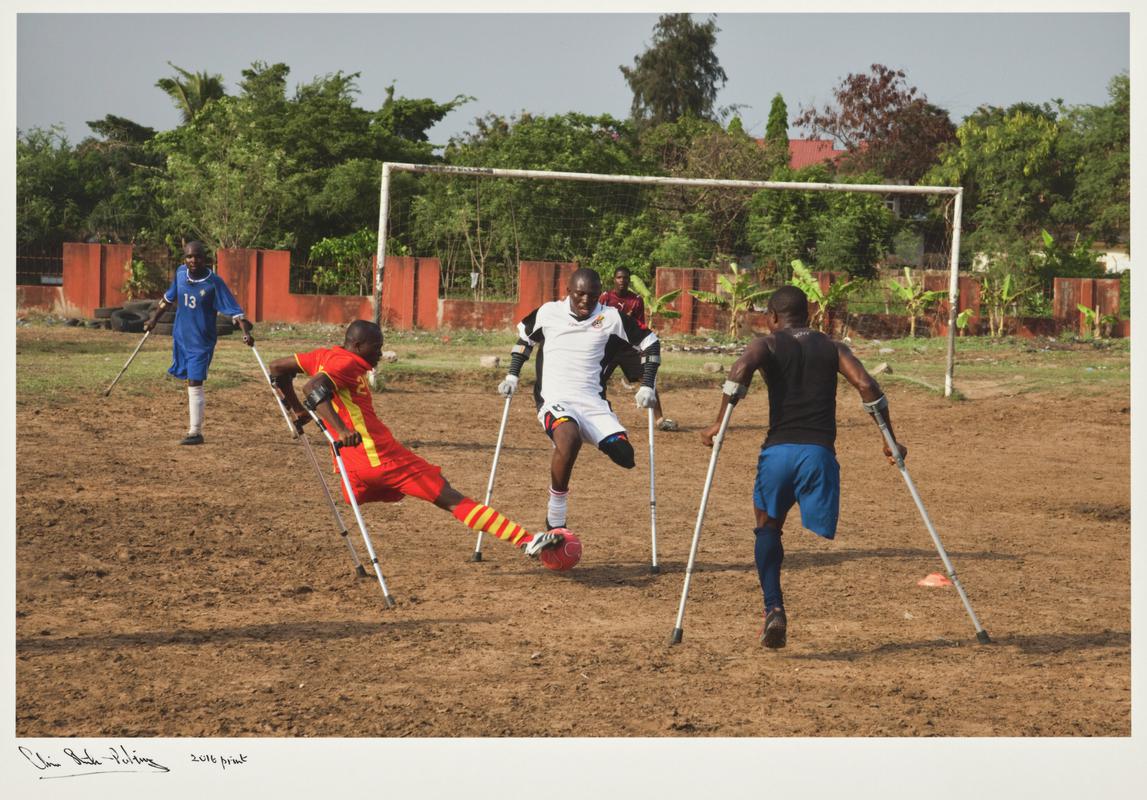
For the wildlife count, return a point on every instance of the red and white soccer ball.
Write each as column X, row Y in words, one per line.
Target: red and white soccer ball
column 563, row 556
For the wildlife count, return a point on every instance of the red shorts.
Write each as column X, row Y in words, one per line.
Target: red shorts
column 399, row 474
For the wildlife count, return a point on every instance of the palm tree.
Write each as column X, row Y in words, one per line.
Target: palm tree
column 193, row 92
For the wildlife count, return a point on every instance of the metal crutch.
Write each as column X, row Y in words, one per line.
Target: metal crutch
column 310, row 405
column 298, row 434
column 717, row 442
column 128, row 364
column 493, row 471
column 652, row 500
column 981, row 634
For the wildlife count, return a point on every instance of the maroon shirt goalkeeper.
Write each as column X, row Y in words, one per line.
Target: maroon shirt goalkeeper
column 631, row 304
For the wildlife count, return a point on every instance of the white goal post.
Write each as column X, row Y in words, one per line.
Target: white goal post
column 487, row 172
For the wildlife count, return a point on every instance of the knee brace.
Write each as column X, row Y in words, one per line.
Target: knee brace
column 619, row 450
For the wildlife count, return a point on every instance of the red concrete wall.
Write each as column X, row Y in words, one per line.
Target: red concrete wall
column 1069, row 293
column 485, row 316
column 540, row 282
column 410, row 293
column 695, row 315
column 94, row 275
column 44, row 298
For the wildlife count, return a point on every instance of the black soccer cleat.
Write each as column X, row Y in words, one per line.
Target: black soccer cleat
column 774, row 634
column 192, row 438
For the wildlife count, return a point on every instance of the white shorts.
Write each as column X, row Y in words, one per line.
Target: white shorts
column 593, row 416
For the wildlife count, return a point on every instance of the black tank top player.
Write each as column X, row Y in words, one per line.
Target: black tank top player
column 801, row 374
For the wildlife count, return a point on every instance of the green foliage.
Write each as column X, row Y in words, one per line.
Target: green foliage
column 144, row 280
column 1125, row 294
column 1100, row 324
column 963, row 317
column 679, row 74
column 483, row 226
column 737, row 293
column 345, row 263
column 655, row 305
column 1013, row 182
column 192, row 92
column 1056, row 260
column 843, row 231
column 999, row 291
column 224, row 184
column 1095, row 143
column 837, row 293
column 777, row 135
column 915, row 297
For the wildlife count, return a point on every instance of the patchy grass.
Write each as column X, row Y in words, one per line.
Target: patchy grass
column 57, row 362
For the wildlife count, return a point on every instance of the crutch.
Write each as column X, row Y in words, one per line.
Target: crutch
column 317, row 396
column 874, row 410
column 717, row 441
column 493, row 471
column 128, row 364
column 297, row 434
column 652, row 500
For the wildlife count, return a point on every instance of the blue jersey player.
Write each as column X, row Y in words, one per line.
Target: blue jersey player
column 198, row 295
column 797, row 464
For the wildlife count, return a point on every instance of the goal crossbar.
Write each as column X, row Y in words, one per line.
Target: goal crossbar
column 956, row 192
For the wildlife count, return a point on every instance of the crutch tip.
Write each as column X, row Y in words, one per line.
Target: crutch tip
column 360, row 570
column 390, row 601
column 477, row 556
column 654, row 569
column 983, row 638
column 676, row 637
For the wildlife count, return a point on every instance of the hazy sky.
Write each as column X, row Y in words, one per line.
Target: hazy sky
column 77, row 67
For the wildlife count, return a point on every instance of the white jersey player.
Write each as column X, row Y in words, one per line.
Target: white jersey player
column 579, row 339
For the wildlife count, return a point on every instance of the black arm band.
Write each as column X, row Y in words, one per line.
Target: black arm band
column 320, row 394
column 518, row 356
column 650, row 363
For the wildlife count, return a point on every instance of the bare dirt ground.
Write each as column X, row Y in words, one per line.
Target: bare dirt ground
column 173, row 591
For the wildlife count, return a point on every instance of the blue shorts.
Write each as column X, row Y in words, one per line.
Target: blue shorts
column 190, row 365
column 805, row 474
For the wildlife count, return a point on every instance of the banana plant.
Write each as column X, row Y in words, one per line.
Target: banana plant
column 999, row 294
column 962, row 319
column 804, row 280
column 736, row 292
column 655, row 306
column 915, row 297
column 1096, row 321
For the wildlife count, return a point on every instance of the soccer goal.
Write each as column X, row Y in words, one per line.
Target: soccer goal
column 481, row 222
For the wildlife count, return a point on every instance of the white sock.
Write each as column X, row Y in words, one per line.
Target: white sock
column 195, row 408
column 556, row 510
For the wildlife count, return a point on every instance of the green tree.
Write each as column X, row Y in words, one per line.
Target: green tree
column 777, row 133
column 191, row 91
column 345, row 264
column 838, row 292
column 1014, row 184
column 485, row 227
column 224, row 185
column 915, row 298
column 1001, row 291
column 845, row 231
column 679, row 74
column 1095, row 142
column 656, row 306
column 738, row 292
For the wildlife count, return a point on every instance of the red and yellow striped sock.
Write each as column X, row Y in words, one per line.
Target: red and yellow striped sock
column 483, row 518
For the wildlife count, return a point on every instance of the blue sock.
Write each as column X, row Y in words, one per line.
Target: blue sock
column 770, row 553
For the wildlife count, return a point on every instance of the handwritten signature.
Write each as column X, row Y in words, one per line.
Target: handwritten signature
column 113, row 759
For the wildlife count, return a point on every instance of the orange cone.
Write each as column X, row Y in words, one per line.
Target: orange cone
column 935, row 579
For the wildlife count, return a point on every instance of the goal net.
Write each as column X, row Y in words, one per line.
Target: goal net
column 480, row 223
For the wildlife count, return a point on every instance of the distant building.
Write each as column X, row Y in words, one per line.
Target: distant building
column 806, row 152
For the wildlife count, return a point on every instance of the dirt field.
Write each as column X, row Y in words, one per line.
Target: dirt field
column 170, row 591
